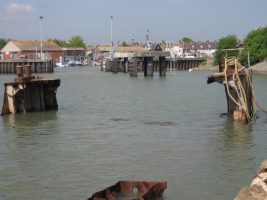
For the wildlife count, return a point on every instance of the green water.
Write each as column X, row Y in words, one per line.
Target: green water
column 111, row 127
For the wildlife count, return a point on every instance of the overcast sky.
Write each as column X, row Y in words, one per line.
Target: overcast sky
column 168, row 20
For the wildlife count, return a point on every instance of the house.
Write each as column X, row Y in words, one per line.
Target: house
column 71, row 53
column 18, row 49
column 207, row 49
column 193, row 49
column 199, row 49
column 177, row 51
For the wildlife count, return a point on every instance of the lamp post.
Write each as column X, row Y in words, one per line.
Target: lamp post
column 111, row 30
column 41, row 33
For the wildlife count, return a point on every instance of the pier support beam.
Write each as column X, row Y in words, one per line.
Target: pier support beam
column 162, row 66
column 133, row 67
column 148, row 66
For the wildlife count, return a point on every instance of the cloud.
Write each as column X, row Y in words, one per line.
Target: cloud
column 14, row 8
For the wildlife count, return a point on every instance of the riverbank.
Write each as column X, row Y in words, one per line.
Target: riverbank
column 260, row 67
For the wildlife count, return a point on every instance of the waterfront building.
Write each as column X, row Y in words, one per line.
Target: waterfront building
column 194, row 49
column 71, row 53
column 19, row 49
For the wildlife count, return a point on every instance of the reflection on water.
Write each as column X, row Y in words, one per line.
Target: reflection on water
column 110, row 127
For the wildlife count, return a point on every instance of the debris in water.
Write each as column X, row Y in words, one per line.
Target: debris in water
column 131, row 190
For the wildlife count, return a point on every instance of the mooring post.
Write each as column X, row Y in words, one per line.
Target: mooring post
column 238, row 89
column 148, row 66
column 126, row 65
column 133, row 67
column 115, row 65
column 162, row 66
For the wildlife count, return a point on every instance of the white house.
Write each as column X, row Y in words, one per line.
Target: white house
column 176, row 51
column 193, row 49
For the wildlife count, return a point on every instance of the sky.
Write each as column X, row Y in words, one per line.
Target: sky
column 168, row 20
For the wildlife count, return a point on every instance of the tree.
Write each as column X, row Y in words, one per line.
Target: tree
column 187, row 39
column 3, row 42
column 256, row 44
column 228, row 42
column 76, row 41
column 124, row 44
column 59, row 42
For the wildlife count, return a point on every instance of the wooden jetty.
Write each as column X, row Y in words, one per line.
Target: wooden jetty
column 29, row 93
column 37, row 66
column 149, row 62
column 238, row 88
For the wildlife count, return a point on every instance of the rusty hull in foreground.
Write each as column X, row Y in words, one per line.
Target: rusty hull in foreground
column 131, row 190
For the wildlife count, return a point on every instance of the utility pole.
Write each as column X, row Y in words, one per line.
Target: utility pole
column 41, row 33
column 111, row 30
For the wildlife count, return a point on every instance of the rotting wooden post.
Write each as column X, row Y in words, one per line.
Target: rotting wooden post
column 29, row 93
column 133, row 67
column 162, row 66
column 126, row 65
column 115, row 65
column 238, row 89
column 148, row 66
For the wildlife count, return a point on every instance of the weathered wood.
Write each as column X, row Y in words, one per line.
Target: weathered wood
column 37, row 66
column 148, row 66
column 35, row 95
column 238, row 89
column 162, row 66
column 133, row 67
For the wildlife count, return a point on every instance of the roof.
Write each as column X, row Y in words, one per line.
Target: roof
column 73, row 49
column 130, row 49
column 33, row 45
column 200, row 45
column 104, row 48
column 121, row 49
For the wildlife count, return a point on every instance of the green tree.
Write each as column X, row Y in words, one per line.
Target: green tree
column 3, row 42
column 76, row 41
column 256, row 44
column 187, row 39
column 59, row 42
column 124, row 44
column 228, row 42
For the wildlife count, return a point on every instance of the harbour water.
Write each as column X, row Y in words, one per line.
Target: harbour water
column 112, row 127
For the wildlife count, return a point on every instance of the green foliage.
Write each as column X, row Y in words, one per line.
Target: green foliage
column 124, row 44
column 3, row 42
column 59, row 42
column 228, row 42
column 186, row 39
column 76, row 41
column 256, row 44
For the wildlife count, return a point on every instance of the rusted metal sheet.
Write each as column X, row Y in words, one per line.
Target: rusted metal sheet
column 131, row 190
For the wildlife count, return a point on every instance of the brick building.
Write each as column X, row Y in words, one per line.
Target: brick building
column 15, row 50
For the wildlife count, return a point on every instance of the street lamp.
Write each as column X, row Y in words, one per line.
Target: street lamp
column 111, row 34
column 41, row 33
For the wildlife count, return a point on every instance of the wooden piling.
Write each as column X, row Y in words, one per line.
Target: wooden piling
column 37, row 66
column 238, row 89
column 162, row 66
column 29, row 93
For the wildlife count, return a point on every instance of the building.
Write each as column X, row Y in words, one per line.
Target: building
column 199, row 49
column 100, row 52
column 71, row 53
column 177, row 51
column 15, row 50
column 193, row 49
